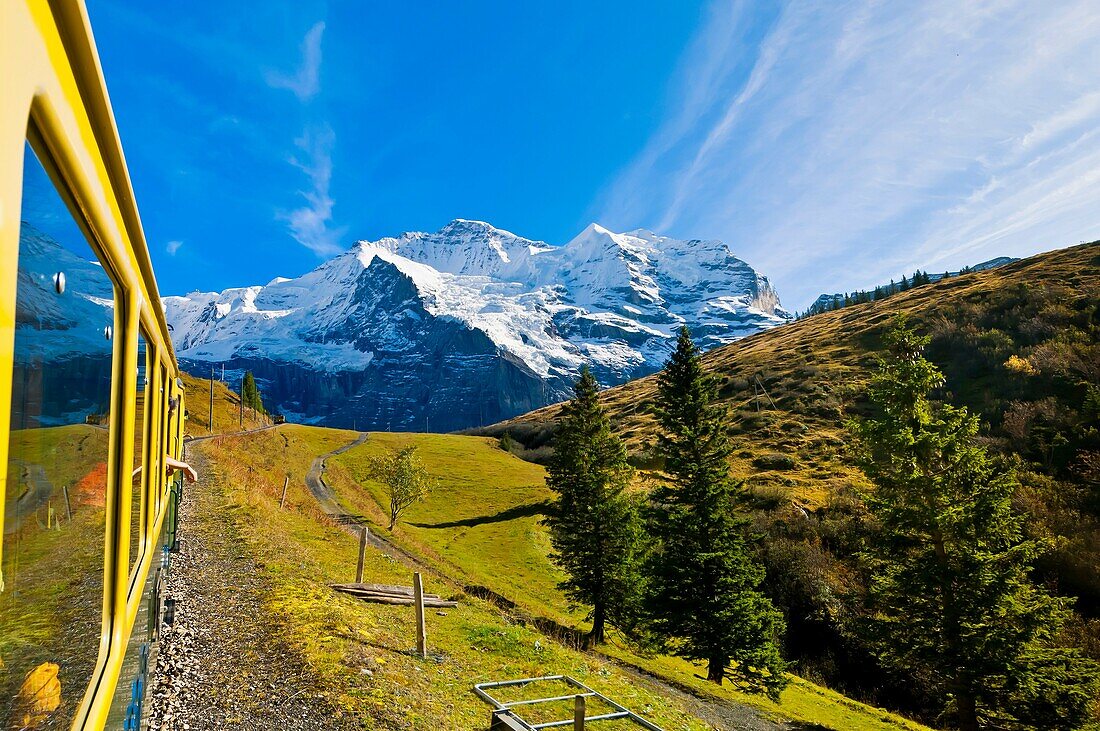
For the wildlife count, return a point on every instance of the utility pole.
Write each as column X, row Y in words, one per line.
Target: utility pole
column 211, row 420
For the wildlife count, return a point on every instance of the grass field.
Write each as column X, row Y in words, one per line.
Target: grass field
column 480, row 527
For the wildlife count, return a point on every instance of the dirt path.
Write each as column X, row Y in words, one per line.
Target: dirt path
column 220, row 665
column 352, row 522
column 39, row 491
column 315, row 481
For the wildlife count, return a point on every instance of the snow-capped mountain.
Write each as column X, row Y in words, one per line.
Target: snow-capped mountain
column 62, row 354
column 469, row 324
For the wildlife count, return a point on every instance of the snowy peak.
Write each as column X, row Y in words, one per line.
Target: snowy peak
column 465, row 247
column 490, row 306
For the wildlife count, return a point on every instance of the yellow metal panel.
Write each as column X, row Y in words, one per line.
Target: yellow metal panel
column 52, row 76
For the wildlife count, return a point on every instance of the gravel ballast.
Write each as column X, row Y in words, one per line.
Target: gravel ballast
column 219, row 663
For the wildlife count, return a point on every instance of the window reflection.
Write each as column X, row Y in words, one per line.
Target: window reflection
column 51, row 603
column 140, row 479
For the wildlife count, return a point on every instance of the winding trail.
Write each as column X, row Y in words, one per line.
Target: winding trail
column 351, row 522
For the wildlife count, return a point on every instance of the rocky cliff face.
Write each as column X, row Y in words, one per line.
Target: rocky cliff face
column 470, row 324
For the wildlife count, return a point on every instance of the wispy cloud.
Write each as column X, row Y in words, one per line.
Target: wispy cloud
column 306, row 82
column 835, row 145
column 172, row 247
column 310, row 223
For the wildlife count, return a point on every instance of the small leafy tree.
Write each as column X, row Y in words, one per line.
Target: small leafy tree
column 404, row 477
column 950, row 600
column 705, row 585
column 595, row 527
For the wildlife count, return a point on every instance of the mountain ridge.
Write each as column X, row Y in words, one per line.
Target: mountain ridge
column 521, row 315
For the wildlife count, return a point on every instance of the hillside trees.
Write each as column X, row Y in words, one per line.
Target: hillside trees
column 594, row 526
column 949, row 595
column 704, row 584
column 250, row 393
column 405, row 478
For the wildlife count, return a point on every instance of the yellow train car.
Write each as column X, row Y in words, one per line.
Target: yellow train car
column 90, row 398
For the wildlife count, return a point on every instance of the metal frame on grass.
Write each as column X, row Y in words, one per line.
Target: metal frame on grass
column 508, row 709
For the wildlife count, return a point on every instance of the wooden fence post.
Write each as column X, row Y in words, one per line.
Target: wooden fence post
column 578, row 713
column 418, row 602
column 282, row 500
column 68, row 505
column 364, row 535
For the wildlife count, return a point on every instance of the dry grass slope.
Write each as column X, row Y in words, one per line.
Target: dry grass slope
column 790, row 388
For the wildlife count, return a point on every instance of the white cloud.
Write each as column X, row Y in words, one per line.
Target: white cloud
column 307, row 81
column 849, row 143
column 172, row 247
column 310, row 223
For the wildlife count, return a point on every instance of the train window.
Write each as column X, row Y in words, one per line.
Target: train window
column 142, row 481
column 165, row 440
column 51, row 603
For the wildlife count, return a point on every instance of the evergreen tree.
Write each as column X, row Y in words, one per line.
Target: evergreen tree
column 595, row 527
column 250, row 394
column 704, row 593
column 904, row 286
column 949, row 596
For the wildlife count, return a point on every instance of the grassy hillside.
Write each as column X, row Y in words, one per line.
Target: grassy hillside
column 1020, row 345
column 482, row 526
column 789, row 388
column 360, row 651
column 228, row 416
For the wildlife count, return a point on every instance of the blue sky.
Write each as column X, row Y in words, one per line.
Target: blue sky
column 834, row 145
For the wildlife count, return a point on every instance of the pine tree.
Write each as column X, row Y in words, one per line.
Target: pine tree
column 595, row 527
column 949, row 596
column 704, row 593
column 250, row 394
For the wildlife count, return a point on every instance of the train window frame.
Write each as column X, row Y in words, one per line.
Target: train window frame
column 34, row 145
column 55, row 100
column 163, row 433
column 147, row 463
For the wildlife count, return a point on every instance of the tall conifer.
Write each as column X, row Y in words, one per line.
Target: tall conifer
column 704, row 583
column 950, row 599
column 250, row 393
column 594, row 525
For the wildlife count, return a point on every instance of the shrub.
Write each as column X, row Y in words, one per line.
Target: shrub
column 774, row 462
